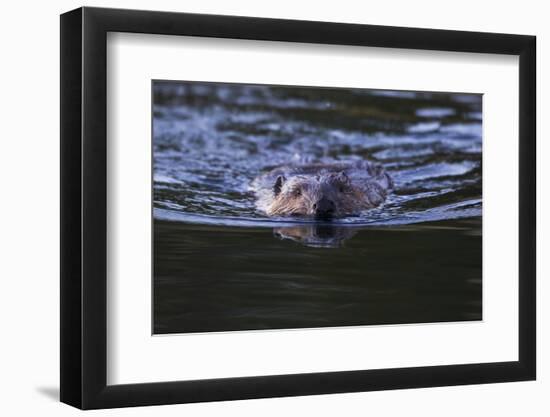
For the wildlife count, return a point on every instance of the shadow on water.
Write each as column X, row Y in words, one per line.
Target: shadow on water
column 221, row 265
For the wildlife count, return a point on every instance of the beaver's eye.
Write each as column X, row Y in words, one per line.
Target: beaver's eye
column 297, row 192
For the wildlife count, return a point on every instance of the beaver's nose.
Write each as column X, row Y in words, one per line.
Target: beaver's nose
column 324, row 208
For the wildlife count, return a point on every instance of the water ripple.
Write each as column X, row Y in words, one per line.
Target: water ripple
column 212, row 140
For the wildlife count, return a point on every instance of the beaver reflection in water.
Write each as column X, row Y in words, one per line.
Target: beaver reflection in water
column 322, row 191
column 316, row 235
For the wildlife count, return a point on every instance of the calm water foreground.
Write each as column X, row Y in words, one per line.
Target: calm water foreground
column 210, row 278
column 220, row 265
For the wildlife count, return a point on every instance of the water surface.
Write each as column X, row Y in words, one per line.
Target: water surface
column 219, row 264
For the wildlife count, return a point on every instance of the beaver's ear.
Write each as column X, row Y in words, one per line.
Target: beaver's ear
column 278, row 184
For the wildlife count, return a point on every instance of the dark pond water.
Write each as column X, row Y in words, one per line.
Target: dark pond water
column 221, row 265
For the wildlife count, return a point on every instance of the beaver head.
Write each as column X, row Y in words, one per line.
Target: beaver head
column 322, row 196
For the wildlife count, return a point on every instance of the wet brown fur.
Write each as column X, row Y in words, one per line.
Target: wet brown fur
column 350, row 187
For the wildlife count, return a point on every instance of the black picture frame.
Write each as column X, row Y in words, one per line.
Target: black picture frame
column 84, row 207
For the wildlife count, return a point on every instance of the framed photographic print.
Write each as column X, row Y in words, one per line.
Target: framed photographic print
column 258, row 208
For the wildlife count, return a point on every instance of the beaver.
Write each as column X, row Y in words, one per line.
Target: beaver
column 322, row 190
